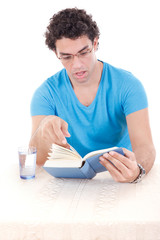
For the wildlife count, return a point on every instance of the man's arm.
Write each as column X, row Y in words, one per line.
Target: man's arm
column 126, row 169
column 45, row 131
column 141, row 138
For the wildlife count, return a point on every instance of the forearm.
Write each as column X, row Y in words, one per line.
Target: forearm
column 145, row 155
column 45, row 131
column 42, row 147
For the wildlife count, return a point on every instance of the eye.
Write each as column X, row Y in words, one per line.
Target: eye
column 68, row 57
column 83, row 53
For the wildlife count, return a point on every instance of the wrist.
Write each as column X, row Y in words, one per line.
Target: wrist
column 141, row 174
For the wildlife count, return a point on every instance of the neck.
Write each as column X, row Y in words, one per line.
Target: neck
column 93, row 80
column 86, row 91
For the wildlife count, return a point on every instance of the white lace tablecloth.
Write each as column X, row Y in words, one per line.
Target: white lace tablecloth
column 47, row 208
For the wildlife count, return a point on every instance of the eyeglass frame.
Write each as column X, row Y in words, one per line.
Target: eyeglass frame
column 79, row 54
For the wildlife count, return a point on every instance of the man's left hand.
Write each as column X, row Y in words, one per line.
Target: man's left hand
column 124, row 168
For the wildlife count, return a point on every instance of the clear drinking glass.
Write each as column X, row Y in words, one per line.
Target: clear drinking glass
column 27, row 162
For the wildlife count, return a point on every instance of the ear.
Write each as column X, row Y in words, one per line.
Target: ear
column 96, row 44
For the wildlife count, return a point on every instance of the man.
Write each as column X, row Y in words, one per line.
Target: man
column 90, row 104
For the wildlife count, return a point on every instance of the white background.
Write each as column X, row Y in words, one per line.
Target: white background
column 130, row 39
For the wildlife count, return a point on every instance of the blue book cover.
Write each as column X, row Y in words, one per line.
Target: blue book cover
column 67, row 163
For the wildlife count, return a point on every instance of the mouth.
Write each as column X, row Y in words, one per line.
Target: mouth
column 80, row 74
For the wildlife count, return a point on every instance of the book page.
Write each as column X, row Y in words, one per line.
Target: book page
column 59, row 152
column 63, row 163
column 91, row 154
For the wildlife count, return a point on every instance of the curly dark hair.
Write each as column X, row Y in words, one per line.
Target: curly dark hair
column 70, row 23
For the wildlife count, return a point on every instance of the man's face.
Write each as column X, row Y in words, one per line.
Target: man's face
column 78, row 57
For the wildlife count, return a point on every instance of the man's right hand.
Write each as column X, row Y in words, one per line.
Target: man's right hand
column 45, row 131
column 54, row 130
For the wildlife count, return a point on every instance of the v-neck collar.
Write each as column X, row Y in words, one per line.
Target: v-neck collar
column 75, row 97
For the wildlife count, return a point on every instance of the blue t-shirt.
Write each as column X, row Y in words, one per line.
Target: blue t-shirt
column 103, row 123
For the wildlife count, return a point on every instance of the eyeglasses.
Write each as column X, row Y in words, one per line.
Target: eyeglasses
column 68, row 58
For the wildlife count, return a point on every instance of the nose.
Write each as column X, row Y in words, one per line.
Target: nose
column 76, row 62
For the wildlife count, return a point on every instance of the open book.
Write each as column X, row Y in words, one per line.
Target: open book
column 67, row 163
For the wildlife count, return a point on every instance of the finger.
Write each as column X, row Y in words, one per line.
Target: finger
column 67, row 146
column 127, row 161
column 64, row 128
column 117, row 163
column 60, row 136
column 61, row 130
column 57, row 126
column 63, row 145
column 51, row 131
column 128, row 171
column 56, row 130
column 48, row 133
column 129, row 154
column 115, row 173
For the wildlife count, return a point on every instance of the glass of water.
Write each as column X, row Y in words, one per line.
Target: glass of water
column 27, row 162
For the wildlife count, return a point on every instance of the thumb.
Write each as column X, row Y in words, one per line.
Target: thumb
column 66, row 133
column 64, row 128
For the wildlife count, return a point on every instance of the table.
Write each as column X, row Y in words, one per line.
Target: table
column 46, row 208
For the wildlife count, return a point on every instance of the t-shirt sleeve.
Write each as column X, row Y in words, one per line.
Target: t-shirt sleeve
column 134, row 97
column 42, row 103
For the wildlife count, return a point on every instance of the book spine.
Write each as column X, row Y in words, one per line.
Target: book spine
column 65, row 172
column 88, row 171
